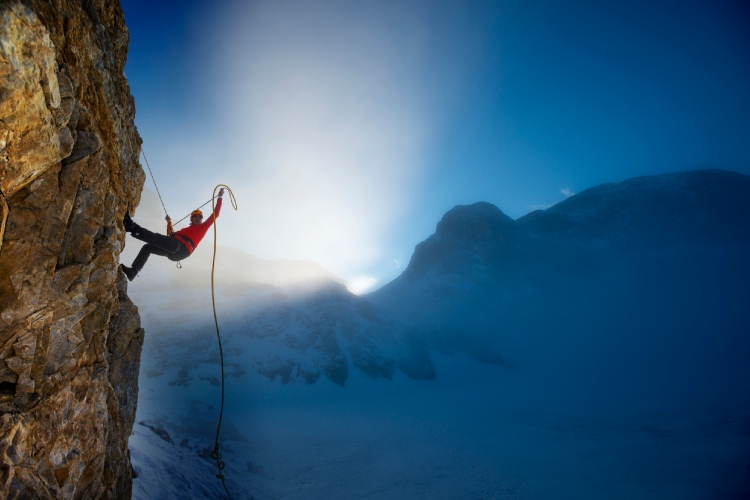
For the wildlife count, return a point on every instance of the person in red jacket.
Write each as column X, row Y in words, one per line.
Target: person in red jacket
column 175, row 246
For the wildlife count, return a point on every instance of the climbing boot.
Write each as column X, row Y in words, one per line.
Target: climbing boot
column 130, row 272
column 128, row 222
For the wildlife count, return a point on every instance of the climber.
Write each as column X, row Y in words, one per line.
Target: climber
column 175, row 246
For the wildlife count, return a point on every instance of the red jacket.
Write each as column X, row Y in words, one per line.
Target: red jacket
column 195, row 233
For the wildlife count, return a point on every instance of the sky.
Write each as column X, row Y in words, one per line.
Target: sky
column 346, row 129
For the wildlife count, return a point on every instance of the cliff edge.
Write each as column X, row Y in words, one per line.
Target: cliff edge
column 70, row 339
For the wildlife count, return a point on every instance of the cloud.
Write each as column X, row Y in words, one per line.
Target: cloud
column 567, row 192
column 323, row 127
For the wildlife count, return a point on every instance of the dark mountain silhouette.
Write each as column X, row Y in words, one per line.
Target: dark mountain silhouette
column 649, row 271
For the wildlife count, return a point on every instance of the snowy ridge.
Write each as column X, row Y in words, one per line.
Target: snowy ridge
column 700, row 205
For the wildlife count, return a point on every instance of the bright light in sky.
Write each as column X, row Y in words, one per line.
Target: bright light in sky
column 348, row 128
column 326, row 125
column 320, row 128
column 361, row 284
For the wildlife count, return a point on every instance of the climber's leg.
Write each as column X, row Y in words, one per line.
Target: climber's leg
column 145, row 253
column 166, row 243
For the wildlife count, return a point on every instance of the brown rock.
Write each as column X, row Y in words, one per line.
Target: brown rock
column 70, row 339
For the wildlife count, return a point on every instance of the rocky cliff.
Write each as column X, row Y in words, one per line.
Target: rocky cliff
column 70, row 339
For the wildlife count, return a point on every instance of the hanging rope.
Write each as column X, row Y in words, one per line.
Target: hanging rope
column 215, row 454
column 154, row 180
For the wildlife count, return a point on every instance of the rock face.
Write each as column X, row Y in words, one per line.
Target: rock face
column 70, row 339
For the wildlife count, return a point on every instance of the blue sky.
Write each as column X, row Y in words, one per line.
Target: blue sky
column 348, row 128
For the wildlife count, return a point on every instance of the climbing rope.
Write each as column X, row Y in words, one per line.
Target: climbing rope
column 154, row 180
column 215, row 454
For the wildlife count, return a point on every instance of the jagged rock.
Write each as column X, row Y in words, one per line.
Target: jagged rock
column 70, row 339
column 163, row 435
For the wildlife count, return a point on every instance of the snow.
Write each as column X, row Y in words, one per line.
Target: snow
column 473, row 433
column 166, row 471
column 476, row 431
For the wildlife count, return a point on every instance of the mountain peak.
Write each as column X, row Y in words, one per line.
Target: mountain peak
column 694, row 206
column 466, row 235
column 474, row 222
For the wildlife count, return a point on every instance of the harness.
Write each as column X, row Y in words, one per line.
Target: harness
column 185, row 241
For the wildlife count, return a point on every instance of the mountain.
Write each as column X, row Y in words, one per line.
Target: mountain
column 641, row 282
column 577, row 328
column 479, row 246
column 661, row 249
column 700, row 207
column 294, row 333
